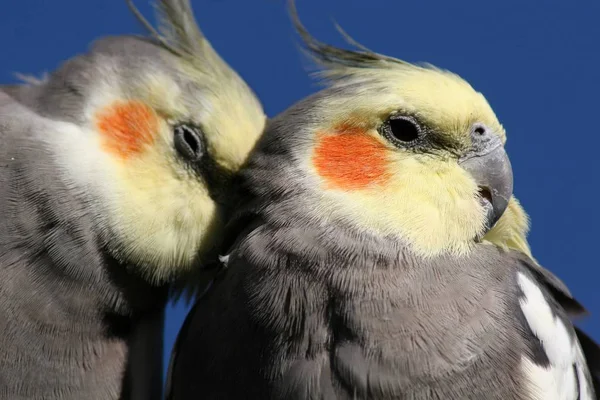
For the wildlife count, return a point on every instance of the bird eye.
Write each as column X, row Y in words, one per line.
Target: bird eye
column 189, row 142
column 403, row 129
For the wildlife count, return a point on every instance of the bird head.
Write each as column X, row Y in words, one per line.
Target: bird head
column 153, row 129
column 400, row 150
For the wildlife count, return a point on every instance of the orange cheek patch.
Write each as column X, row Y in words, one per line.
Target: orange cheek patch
column 127, row 127
column 350, row 160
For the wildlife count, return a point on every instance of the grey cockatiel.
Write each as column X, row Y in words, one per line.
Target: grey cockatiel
column 366, row 267
column 115, row 179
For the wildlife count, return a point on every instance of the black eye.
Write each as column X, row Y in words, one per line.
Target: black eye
column 403, row 129
column 189, row 142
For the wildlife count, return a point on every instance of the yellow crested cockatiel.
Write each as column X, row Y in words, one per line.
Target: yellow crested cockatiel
column 380, row 255
column 116, row 176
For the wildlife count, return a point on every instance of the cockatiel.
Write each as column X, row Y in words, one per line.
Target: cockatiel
column 365, row 266
column 115, row 180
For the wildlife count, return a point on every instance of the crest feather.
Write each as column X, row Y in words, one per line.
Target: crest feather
column 180, row 34
column 338, row 61
column 178, row 25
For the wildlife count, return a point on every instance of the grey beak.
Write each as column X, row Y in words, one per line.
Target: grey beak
column 493, row 173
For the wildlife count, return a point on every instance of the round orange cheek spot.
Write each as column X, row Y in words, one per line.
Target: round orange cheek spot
column 350, row 160
column 127, row 127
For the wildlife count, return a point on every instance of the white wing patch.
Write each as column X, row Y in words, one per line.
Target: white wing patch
column 564, row 378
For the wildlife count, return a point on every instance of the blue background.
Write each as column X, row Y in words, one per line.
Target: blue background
column 537, row 65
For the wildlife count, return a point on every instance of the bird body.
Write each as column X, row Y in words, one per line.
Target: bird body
column 380, row 253
column 383, row 323
column 115, row 177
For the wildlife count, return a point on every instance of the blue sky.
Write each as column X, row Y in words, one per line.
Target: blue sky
column 537, row 65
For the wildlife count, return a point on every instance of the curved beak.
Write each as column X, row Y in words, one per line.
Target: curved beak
column 493, row 173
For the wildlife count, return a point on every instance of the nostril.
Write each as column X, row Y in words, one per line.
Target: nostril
column 485, row 193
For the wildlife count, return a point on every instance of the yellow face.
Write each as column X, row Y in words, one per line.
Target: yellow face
column 162, row 209
column 387, row 158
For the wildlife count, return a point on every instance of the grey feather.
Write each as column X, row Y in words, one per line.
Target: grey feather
column 179, row 25
column 558, row 289
column 329, row 55
column 154, row 33
column 73, row 317
column 313, row 310
column 81, row 309
column 284, row 325
column 337, row 62
column 180, row 34
column 66, row 307
column 591, row 350
column 143, row 377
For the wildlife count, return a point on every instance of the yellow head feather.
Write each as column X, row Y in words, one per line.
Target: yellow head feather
column 424, row 197
column 510, row 232
column 158, row 210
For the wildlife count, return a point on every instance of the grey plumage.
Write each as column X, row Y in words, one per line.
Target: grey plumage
column 338, row 285
column 143, row 378
column 591, row 350
column 103, row 213
column 300, row 316
column 66, row 307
